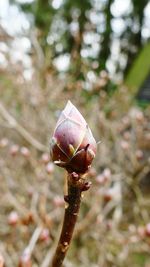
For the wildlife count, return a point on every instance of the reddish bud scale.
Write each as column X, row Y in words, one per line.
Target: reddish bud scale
column 73, row 146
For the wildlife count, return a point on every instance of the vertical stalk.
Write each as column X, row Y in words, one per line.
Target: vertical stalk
column 73, row 200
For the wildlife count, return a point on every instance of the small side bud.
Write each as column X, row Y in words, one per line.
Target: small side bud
column 86, row 186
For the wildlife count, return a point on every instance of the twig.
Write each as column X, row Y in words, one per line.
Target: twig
column 7, row 258
column 15, row 125
column 34, row 239
column 38, row 49
column 1, row 260
column 48, row 257
column 75, row 187
column 16, row 204
column 26, row 255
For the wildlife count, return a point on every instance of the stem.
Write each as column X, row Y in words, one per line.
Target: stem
column 75, row 186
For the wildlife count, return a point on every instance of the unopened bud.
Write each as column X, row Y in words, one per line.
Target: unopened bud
column 139, row 154
column 73, row 146
column 14, row 150
column 50, row 168
column 139, row 116
column 101, row 179
column 124, row 145
column 25, row 151
column 58, row 201
column 45, row 158
column 13, row 218
column 45, row 235
column 108, row 195
column 107, row 173
column 3, row 142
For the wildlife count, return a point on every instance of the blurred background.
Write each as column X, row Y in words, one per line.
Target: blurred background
column 97, row 54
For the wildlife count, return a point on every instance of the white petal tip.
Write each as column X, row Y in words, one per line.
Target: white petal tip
column 68, row 107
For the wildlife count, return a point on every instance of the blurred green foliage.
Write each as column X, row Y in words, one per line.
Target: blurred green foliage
column 64, row 27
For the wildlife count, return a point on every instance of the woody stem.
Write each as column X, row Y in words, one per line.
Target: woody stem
column 73, row 200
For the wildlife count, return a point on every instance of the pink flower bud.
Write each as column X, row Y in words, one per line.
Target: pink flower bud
column 58, row 201
column 3, row 142
column 25, row 152
column 14, row 150
column 45, row 158
column 45, row 235
column 73, row 146
column 13, row 218
column 50, row 168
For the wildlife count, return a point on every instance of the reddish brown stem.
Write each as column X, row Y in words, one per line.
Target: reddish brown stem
column 73, row 199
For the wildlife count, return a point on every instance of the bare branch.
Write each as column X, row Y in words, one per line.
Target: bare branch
column 15, row 125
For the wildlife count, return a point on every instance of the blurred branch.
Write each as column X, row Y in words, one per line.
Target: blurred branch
column 4, row 36
column 7, row 258
column 15, row 125
column 16, row 204
column 38, row 50
column 26, row 255
column 33, row 240
column 49, row 255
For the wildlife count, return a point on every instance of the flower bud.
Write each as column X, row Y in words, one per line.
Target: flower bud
column 13, row 218
column 45, row 235
column 73, row 146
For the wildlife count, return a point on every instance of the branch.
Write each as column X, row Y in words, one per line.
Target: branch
column 15, row 125
column 76, row 184
column 26, row 255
